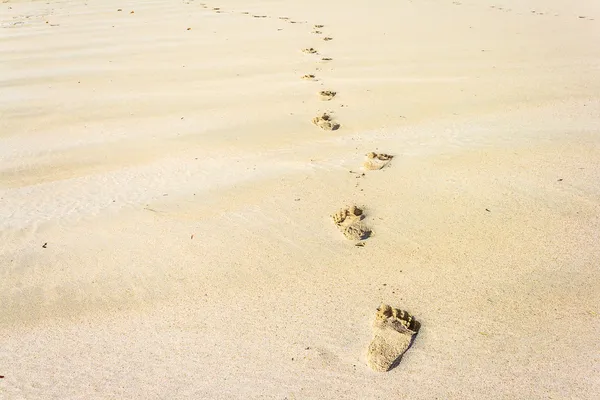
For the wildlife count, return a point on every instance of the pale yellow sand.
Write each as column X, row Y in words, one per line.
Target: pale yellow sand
column 184, row 196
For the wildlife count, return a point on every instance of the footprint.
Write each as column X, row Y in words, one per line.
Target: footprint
column 327, row 95
column 326, row 59
column 317, row 32
column 325, row 122
column 308, row 77
column 349, row 222
column 376, row 161
column 393, row 332
column 319, row 26
column 309, row 50
column 284, row 18
column 327, row 39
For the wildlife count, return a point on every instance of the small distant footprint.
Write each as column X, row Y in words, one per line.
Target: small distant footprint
column 308, row 77
column 317, row 32
column 327, row 95
column 326, row 59
column 309, row 50
column 376, row 161
column 327, row 39
column 325, row 122
column 349, row 222
column 319, row 26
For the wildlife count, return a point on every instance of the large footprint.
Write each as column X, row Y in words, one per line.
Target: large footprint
column 393, row 332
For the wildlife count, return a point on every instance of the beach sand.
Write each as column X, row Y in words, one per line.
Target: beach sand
column 166, row 201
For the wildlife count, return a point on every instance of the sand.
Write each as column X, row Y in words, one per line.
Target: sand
column 165, row 199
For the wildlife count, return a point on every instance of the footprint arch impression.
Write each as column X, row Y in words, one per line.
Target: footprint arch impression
column 393, row 333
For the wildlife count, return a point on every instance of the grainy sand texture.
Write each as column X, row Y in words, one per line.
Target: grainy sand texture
column 167, row 185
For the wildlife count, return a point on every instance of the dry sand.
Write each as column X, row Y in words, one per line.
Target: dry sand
column 165, row 200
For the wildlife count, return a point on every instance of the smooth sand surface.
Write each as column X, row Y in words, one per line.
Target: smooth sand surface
column 165, row 200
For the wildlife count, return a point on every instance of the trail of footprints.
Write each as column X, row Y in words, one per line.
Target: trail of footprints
column 393, row 329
